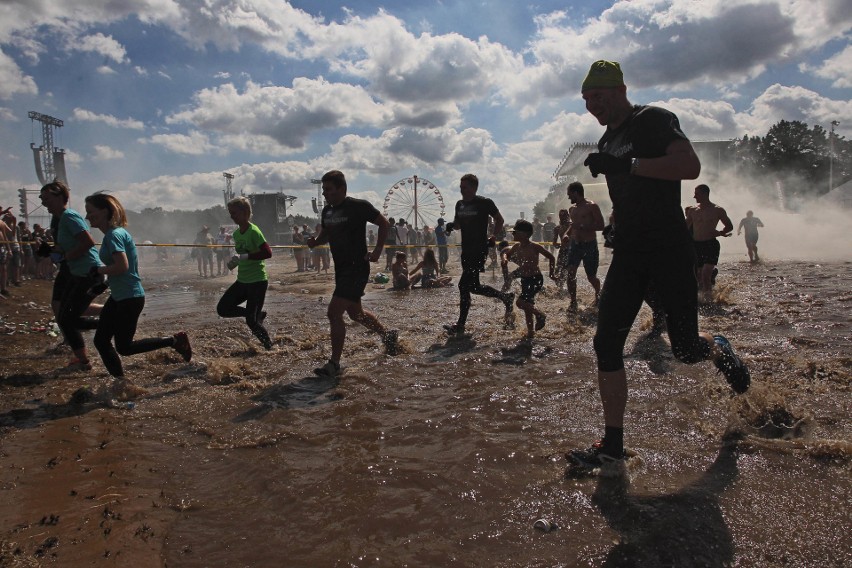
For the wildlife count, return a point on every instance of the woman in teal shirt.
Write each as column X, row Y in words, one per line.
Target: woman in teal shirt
column 252, row 281
column 121, row 311
column 75, row 253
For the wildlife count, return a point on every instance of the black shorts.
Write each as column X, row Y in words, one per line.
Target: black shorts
column 707, row 252
column 670, row 273
column 530, row 286
column 350, row 280
column 587, row 253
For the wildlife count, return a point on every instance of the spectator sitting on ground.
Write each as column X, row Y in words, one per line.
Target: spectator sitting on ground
column 399, row 271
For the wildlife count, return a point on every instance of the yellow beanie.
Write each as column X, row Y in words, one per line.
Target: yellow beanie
column 603, row 74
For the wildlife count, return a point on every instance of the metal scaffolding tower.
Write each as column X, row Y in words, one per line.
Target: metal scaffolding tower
column 49, row 160
column 229, row 190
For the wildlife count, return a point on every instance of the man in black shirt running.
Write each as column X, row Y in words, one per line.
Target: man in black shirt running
column 471, row 218
column 344, row 224
column 644, row 155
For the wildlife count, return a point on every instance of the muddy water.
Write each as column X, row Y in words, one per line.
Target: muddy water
column 447, row 454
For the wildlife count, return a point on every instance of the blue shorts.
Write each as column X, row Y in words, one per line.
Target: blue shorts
column 587, row 253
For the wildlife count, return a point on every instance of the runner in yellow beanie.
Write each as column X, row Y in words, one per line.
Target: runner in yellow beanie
column 603, row 74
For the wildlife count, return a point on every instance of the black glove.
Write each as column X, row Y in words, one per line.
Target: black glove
column 607, row 164
column 609, row 236
column 44, row 249
column 450, row 228
column 99, row 284
column 492, row 242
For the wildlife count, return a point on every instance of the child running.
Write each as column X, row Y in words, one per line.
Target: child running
column 525, row 253
column 121, row 312
column 252, row 280
column 428, row 272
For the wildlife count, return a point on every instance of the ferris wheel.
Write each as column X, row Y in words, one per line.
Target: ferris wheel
column 416, row 200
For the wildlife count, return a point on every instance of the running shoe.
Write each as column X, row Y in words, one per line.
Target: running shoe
column 735, row 371
column 539, row 321
column 182, row 346
column 330, row 369
column 594, row 457
column 77, row 365
column 391, row 341
column 454, row 329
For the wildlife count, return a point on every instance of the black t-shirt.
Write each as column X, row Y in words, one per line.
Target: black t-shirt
column 472, row 220
column 647, row 211
column 390, row 239
column 345, row 225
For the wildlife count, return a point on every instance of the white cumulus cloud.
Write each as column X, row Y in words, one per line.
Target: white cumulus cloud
column 84, row 115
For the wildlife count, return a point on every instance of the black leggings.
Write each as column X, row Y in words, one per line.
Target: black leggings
column 75, row 300
column 671, row 275
column 118, row 319
column 253, row 294
column 472, row 265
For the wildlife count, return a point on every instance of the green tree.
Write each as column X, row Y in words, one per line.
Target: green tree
column 791, row 149
column 796, row 157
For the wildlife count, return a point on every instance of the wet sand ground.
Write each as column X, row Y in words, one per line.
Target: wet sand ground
column 443, row 456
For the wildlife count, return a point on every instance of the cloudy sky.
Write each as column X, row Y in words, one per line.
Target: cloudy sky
column 159, row 97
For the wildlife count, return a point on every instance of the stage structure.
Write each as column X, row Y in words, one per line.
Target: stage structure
column 269, row 212
column 49, row 160
column 229, row 190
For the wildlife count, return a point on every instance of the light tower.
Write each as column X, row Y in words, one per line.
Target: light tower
column 25, row 214
column 831, row 155
column 228, row 191
column 49, row 160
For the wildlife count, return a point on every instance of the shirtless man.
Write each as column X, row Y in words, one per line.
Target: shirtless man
column 525, row 254
column 586, row 220
column 750, row 223
column 702, row 220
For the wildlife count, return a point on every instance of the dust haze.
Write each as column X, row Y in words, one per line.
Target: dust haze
column 804, row 228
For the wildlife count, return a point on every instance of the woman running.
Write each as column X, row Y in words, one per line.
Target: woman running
column 121, row 311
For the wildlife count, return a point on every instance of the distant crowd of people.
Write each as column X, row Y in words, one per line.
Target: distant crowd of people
column 19, row 253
